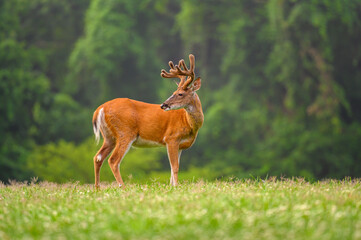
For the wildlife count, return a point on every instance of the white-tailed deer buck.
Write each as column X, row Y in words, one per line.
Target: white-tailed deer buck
column 125, row 122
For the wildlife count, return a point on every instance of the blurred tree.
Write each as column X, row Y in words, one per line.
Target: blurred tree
column 117, row 57
column 34, row 43
column 282, row 106
column 314, row 105
column 21, row 91
column 22, row 88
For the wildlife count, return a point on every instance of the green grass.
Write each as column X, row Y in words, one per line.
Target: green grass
column 248, row 209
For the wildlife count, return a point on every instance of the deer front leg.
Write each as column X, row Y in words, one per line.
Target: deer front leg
column 171, row 177
column 173, row 155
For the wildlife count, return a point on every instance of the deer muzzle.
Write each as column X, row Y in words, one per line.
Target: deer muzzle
column 165, row 106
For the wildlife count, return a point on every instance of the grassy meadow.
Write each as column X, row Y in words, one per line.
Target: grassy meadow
column 245, row 209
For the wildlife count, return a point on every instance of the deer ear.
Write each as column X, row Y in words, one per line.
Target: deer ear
column 197, row 84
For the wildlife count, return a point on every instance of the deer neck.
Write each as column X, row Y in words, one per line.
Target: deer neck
column 194, row 113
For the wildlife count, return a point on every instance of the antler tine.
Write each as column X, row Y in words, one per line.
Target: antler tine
column 179, row 63
column 191, row 78
column 180, row 73
column 182, row 64
column 191, row 62
column 166, row 74
column 179, row 70
column 171, row 65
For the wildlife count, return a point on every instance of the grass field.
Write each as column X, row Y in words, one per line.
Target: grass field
column 247, row 209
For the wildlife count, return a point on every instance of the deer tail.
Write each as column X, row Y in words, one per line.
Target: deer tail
column 98, row 120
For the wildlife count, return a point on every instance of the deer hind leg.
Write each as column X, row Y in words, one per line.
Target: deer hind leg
column 121, row 148
column 100, row 157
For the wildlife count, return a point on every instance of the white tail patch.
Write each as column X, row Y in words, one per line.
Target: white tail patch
column 99, row 125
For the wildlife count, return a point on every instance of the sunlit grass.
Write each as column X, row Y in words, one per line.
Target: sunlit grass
column 247, row 209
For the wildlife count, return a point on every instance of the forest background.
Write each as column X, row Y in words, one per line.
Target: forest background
column 280, row 89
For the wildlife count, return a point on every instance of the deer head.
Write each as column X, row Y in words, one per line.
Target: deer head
column 185, row 95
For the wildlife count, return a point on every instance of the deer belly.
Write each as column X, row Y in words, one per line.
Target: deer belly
column 141, row 142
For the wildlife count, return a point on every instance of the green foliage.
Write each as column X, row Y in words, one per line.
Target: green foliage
column 59, row 162
column 310, row 153
column 22, row 88
column 282, row 107
column 117, row 55
column 33, row 44
column 62, row 118
column 251, row 209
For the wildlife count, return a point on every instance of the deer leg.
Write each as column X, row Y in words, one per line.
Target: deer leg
column 99, row 159
column 171, row 177
column 121, row 148
column 173, row 155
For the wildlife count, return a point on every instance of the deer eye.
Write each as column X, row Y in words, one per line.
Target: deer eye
column 179, row 94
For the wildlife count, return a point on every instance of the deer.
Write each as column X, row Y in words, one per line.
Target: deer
column 174, row 124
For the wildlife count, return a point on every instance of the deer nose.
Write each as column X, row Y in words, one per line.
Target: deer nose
column 164, row 106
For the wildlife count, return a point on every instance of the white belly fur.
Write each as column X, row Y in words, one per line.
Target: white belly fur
column 140, row 142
